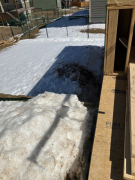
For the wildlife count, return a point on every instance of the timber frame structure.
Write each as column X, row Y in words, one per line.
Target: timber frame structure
column 113, row 153
column 120, row 36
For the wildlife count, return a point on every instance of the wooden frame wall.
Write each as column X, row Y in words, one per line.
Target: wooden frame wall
column 111, row 35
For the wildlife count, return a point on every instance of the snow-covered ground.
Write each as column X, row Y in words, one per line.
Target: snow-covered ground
column 44, row 138
column 47, row 137
column 30, row 66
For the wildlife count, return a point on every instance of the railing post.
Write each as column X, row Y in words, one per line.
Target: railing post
column 12, row 31
column 88, row 26
column 46, row 30
column 66, row 25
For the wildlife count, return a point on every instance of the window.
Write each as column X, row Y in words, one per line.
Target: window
column 6, row 1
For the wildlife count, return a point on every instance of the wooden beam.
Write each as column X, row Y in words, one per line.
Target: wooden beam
column 9, row 97
column 127, row 160
column 125, row 43
column 132, row 115
column 16, row 8
column 120, row 7
column 1, row 20
column 111, row 41
column 130, row 39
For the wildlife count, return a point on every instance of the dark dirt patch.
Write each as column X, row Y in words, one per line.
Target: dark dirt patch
column 89, row 84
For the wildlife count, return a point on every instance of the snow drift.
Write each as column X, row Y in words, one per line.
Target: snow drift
column 44, row 138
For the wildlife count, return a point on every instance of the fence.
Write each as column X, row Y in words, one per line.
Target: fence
column 43, row 17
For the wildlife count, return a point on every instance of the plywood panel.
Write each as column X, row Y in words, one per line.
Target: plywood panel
column 111, row 41
column 108, row 148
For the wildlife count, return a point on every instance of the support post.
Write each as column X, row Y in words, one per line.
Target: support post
column 16, row 8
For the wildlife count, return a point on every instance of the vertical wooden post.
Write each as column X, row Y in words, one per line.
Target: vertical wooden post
column 16, row 8
column 1, row 20
column 130, row 39
column 111, row 41
column 33, row 3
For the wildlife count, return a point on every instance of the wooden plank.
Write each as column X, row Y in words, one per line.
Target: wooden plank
column 111, row 41
column 105, row 60
column 132, row 106
column 108, row 149
column 120, row 7
column 130, row 39
column 125, row 43
column 121, row 2
column 127, row 156
column 133, row 166
column 9, row 97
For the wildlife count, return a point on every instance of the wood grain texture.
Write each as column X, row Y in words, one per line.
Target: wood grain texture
column 108, row 148
column 111, row 41
column 121, row 2
column 130, row 39
column 125, row 43
column 127, row 157
column 132, row 108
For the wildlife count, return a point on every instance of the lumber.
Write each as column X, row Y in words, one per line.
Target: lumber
column 133, row 166
column 132, row 106
column 111, row 41
column 127, row 160
column 121, row 2
column 120, row 7
column 127, row 157
column 108, row 149
column 130, row 39
column 125, row 43
column 9, row 97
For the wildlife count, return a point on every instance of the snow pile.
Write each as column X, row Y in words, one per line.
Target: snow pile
column 44, row 138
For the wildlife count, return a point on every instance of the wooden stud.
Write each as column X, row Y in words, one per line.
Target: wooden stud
column 127, row 160
column 132, row 106
column 130, row 39
column 111, row 41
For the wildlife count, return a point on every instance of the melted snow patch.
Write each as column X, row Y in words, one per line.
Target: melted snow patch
column 43, row 138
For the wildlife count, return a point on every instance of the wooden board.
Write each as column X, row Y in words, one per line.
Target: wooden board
column 9, row 97
column 125, row 43
column 127, row 158
column 121, row 2
column 130, row 39
column 111, row 35
column 132, row 106
column 108, row 148
column 132, row 115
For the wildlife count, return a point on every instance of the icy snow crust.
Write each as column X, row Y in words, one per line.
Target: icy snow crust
column 44, row 138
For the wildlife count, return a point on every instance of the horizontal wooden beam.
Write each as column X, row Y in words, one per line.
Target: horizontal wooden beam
column 120, row 7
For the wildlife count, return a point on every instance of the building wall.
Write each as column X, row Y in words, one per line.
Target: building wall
column 46, row 4
column 97, row 9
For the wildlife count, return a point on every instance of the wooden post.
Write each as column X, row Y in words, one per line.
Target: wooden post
column 33, row 3
column 1, row 20
column 111, row 29
column 130, row 39
column 16, row 8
